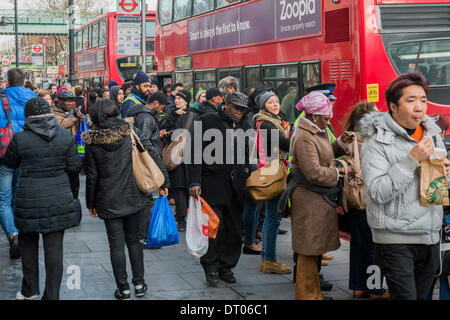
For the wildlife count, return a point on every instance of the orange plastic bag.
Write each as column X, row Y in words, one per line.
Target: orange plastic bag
column 213, row 221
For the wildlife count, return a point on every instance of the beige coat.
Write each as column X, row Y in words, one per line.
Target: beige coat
column 314, row 222
column 70, row 123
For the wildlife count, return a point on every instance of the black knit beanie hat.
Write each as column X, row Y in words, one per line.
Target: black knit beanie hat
column 185, row 95
column 36, row 106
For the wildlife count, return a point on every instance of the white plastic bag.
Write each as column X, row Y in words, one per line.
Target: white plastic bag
column 196, row 229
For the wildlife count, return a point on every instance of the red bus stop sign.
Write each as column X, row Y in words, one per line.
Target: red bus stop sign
column 37, row 49
column 128, row 6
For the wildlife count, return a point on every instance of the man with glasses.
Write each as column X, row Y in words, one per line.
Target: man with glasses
column 139, row 92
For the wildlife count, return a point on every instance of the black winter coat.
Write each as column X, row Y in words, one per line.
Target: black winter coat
column 173, row 121
column 206, row 107
column 110, row 185
column 45, row 154
column 216, row 179
column 145, row 120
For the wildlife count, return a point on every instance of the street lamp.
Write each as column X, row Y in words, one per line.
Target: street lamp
column 4, row 24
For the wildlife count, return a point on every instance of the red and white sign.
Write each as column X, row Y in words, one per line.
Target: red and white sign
column 5, row 62
column 44, row 41
column 36, row 49
column 129, row 6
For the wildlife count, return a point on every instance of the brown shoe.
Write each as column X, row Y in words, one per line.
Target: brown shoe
column 327, row 256
column 275, row 267
column 360, row 294
column 384, row 296
column 262, row 264
column 324, row 262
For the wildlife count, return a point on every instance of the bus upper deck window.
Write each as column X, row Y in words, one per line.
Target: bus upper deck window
column 201, row 6
column 432, row 59
column 182, row 9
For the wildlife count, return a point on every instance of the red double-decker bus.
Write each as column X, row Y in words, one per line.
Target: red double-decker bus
column 96, row 56
column 361, row 45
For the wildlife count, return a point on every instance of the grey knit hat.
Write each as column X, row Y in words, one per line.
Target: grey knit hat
column 36, row 106
column 238, row 99
column 262, row 98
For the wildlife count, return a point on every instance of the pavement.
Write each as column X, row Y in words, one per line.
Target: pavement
column 171, row 272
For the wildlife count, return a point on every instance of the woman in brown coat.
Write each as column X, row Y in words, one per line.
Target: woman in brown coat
column 314, row 218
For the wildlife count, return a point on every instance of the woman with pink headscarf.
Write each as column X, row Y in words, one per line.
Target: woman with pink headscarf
column 314, row 193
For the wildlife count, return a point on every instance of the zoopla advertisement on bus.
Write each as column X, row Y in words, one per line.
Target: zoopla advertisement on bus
column 264, row 20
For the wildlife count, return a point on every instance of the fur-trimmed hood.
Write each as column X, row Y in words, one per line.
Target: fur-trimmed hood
column 383, row 125
column 107, row 135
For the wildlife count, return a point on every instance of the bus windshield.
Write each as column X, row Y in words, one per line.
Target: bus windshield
column 432, row 58
column 128, row 66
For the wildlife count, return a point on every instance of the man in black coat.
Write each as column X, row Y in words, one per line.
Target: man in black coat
column 215, row 184
column 145, row 119
column 214, row 99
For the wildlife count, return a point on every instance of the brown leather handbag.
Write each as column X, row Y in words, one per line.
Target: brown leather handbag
column 353, row 192
column 173, row 153
column 146, row 172
column 268, row 181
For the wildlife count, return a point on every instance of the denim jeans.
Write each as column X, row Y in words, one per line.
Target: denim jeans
column 120, row 231
column 271, row 223
column 9, row 181
column 250, row 220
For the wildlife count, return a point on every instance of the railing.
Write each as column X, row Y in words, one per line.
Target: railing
column 47, row 17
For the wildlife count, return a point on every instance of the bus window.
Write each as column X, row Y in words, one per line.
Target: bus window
column 94, row 35
column 201, row 6
column 224, row 3
column 149, row 45
column 182, row 9
column 253, row 77
column 102, row 33
column 86, row 44
column 222, row 73
column 128, row 66
column 150, row 29
column 79, row 41
column 204, row 80
column 282, row 78
column 186, row 79
column 310, row 75
column 432, row 58
column 165, row 11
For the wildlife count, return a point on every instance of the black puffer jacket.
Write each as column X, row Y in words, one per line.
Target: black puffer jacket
column 145, row 120
column 206, row 107
column 110, row 185
column 45, row 153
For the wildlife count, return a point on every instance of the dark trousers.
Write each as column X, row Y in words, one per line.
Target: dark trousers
column 181, row 197
column 53, row 254
column 120, row 231
column 361, row 248
column 146, row 217
column 224, row 251
column 409, row 268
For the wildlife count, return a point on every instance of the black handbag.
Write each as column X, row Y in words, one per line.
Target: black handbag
column 78, row 210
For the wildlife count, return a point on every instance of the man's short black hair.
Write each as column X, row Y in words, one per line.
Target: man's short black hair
column 158, row 96
column 16, row 77
column 175, row 85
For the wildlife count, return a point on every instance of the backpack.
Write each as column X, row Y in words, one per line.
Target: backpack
column 6, row 133
column 353, row 189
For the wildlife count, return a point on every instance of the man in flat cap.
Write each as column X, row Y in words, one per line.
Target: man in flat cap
column 213, row 181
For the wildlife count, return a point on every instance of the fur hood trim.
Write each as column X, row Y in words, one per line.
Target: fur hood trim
column 106, row 136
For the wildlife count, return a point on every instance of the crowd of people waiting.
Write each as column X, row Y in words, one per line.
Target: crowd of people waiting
column 40, row 169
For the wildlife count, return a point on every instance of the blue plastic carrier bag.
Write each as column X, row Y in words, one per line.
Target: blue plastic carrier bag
column 79, row 141
column 163, row 229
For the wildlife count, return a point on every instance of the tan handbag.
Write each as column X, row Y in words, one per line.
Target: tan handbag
column 173, row 153
column 353, row 192
column 268, row 181
column 146, row 172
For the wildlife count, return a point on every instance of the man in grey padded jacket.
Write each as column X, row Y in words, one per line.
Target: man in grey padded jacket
column 405, row 233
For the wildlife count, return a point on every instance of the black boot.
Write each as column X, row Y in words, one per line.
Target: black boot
column 324, row 285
